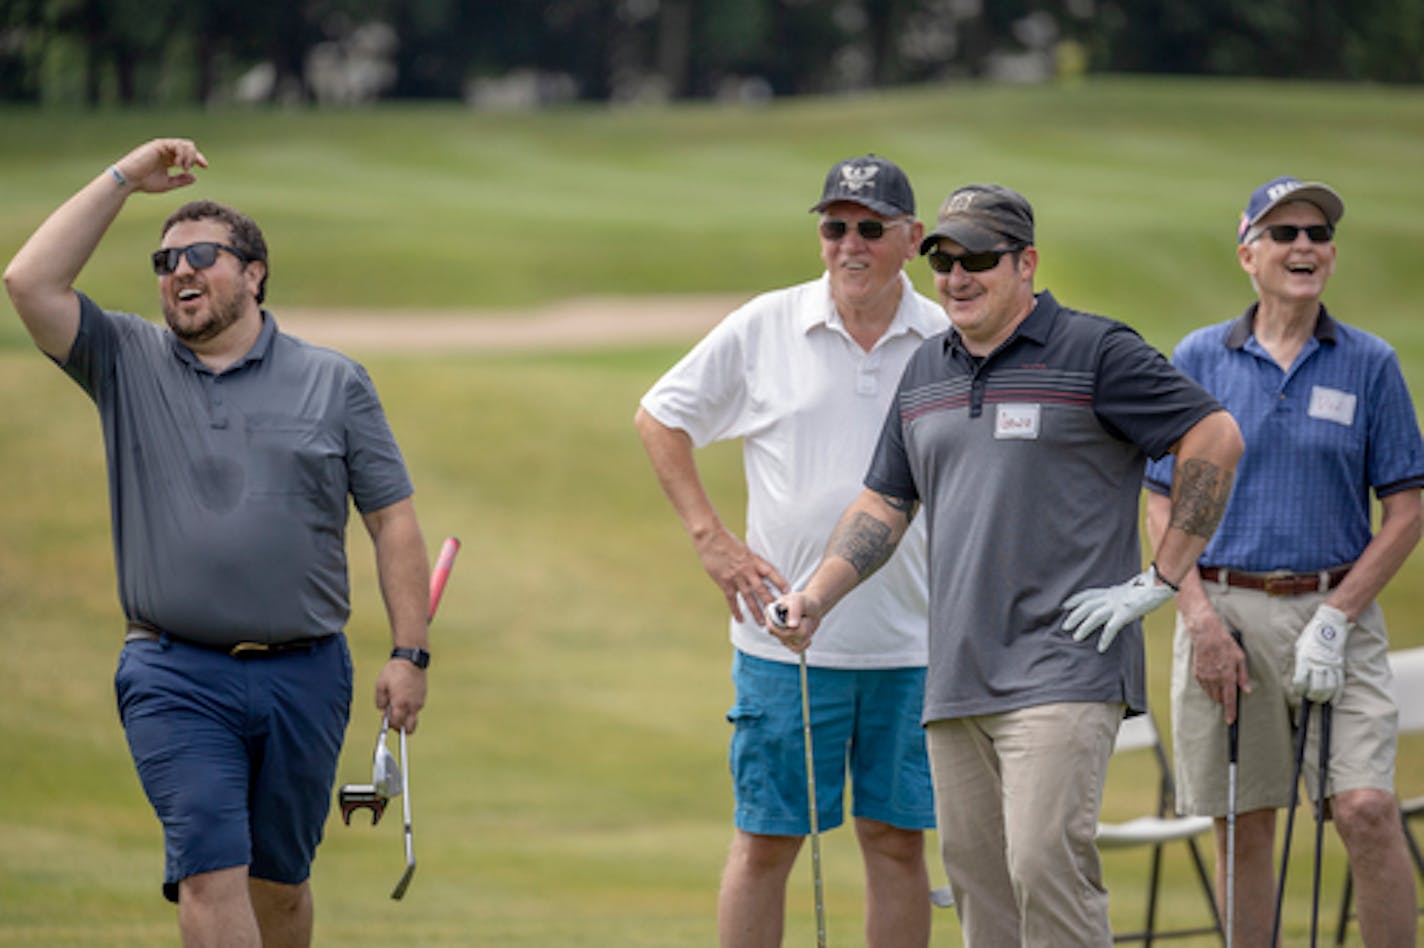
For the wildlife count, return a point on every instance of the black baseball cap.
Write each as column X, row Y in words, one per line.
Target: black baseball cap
column 979, row 217
column 876, row 183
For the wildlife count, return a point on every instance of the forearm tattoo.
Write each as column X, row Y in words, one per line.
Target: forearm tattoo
column 864, row 542
column 1200, row 491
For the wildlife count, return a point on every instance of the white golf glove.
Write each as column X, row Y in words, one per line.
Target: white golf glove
column 1113, row 607
column 1320, row 656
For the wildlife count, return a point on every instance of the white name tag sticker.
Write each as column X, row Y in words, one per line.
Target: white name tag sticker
column 1013, row 420
column 1331, row 404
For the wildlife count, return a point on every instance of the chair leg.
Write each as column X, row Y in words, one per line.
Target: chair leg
column 1205, row 879
column 1152, row 882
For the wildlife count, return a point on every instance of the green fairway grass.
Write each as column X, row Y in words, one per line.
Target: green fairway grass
column 569, row 775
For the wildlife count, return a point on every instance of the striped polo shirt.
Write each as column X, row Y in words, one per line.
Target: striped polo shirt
column 1029, row 466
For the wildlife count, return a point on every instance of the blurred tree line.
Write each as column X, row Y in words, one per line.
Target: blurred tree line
column 521, row 53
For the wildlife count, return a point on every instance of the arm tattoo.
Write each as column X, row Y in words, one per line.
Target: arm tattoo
column 864, row 542
column 1199, row 494
column 901, row 505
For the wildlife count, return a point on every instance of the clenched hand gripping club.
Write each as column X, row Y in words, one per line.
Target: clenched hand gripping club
column 387, row 778
column 777, row 615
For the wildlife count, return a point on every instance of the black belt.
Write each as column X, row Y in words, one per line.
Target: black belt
column 143, row 632
column 1277, row 584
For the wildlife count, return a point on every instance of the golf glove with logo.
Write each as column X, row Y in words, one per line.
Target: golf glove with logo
column 1320, row 656
column 1113, row 607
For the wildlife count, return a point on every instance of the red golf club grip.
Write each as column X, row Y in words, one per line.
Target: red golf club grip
column 441, row 573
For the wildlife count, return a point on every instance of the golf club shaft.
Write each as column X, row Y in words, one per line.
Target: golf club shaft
column 811, row 805
column 1233, row 739
column 1325, row 715
column 1302, row 725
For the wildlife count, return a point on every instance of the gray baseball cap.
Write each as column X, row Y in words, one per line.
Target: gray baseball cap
column 876, row 183
column 979, row 217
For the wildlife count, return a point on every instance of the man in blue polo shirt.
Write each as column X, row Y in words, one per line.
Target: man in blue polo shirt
column 1294, row 568
column 1024, row 430
column 232, row 450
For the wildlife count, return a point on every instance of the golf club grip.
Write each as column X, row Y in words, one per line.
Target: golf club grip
column 441, row 573
column 1234, row 728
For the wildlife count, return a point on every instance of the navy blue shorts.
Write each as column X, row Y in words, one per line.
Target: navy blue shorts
column 865, row 721
column 237, row 755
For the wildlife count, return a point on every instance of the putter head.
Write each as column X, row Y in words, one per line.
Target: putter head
column 361, row 796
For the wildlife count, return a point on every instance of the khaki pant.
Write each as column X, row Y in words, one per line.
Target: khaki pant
column 1364, row 728
column 1017, row 797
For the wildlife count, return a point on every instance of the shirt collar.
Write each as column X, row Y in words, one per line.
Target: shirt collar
column 909, row 317
column 1035, row 326
column 260, row 347
column 1326, row 329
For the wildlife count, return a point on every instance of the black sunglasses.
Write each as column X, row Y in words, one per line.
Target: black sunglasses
column 1286, row 233
column 941, row 262
column 200, row 256
column 868, row 228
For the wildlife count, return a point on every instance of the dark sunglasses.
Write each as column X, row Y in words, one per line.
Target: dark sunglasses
column 941, row 262
column 868, row 228
column 200, row 256
column 1286, row 233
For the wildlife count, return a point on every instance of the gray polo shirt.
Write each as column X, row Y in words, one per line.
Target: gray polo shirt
column 1029, row 466
column 228, row 493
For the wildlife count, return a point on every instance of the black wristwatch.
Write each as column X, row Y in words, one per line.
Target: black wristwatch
column 418, row 657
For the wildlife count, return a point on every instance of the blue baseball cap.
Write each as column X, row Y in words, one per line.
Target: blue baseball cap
column 1278, row 191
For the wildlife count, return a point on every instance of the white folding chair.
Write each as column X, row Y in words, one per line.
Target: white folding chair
column 1408, row 668
column 1156, row 830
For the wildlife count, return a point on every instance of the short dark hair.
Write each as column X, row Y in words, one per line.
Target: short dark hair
column 243, row 232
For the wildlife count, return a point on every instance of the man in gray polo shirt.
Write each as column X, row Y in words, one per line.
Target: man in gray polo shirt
column 232, row 449
column 1024, row 431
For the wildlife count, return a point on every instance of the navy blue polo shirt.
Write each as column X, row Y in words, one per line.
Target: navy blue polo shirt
column 1318, row 438
column 228, row 492
column 1029, row 466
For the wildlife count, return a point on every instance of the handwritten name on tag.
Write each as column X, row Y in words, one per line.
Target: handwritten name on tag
column 1331, row 404
column 1014, row 420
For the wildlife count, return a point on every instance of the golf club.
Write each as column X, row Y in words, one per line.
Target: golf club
column 1326, row 710
column 1233, row 737
column 387, row 777
column 399, row 892
column 1302, row 724
column 777, row 616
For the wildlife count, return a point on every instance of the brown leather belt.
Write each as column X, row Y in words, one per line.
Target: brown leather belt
column 143, row 632
column 1277, row 584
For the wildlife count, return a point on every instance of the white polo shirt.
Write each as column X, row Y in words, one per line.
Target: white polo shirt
column 784, row 375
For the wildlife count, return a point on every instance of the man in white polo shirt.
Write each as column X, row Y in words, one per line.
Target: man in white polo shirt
column 804, row 376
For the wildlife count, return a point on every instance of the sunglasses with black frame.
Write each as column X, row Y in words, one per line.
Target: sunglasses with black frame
column 1287, row 233
column 867, row 227
column 200, row 256
column 942, row 262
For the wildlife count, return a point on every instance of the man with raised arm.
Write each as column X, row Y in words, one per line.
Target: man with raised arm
column 232, row 451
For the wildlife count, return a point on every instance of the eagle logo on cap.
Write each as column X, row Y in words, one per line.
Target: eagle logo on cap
column 958, row 203
column 854, row 178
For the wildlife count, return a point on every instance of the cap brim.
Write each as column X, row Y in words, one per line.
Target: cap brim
column 879, row 207
column 1313, row 192
column 971, row 237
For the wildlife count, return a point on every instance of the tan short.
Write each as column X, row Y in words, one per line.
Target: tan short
column 1364, row 733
